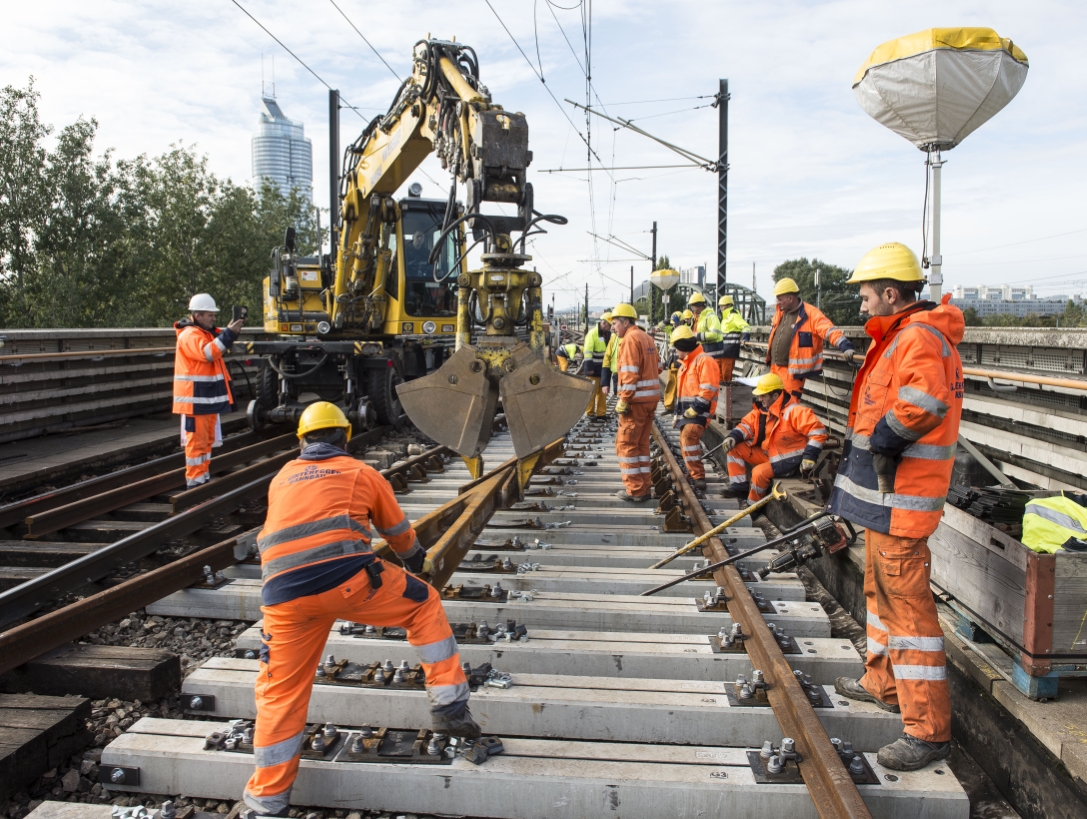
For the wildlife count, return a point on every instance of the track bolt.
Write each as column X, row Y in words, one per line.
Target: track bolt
column 317, row 743
column 767, row 750
column 856, row 767
column 788, row 745
column 330, row 731
column 756, row 676
column 117, row 776
column 774, row 765
column 366, row 732
column 196, row 703
column 356, row 745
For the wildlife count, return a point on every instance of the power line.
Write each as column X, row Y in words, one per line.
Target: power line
column 299, row 59
column 348, row 19
column 666, row 99
column 669, row 113
column 1024, row 242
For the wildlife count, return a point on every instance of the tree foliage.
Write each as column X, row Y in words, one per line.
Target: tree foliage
column 90, row 241
column 840, row 301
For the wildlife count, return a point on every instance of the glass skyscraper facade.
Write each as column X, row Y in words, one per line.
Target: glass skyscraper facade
column 281, row 151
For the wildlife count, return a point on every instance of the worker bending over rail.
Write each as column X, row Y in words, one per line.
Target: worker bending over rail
column 778, row 437
column 596, row 345
column 568, row 355
column 696, row 399
column 202, row 384
column 797, row 335
column 318, row 566
column 893, row 479
column 736, row 331
column 639, row 392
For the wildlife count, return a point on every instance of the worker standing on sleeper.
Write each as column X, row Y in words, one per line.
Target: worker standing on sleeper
column 736, row 331
column 639, row 392
column 202, row 384
column 596, row 345
column 797, row 335
column 318, row 566
column 896, row 467
column 610, row 372
column 696, row 400
column 707, row 328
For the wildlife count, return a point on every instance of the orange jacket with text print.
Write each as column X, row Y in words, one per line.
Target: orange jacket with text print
column 321, row 508
column 201, row 381
column 906, row 405
column 697, row 387
column 639, row 368
column 788, row 432
column 809, row 332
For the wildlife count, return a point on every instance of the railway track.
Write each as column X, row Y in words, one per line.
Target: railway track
column 605, row 701
column 95, row 534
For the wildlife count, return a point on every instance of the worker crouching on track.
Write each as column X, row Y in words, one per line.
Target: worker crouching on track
column 893, row 479
column 778, row 437
column 736, row 331
column 696, row 402
column 568, row 355
column 639, row 392
column 202, row 384
column 797, row 335
column 318, row 566
column 596, row 345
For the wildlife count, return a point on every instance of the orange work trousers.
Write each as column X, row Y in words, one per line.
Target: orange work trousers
column 632, row 448
column 906, row 665
column 792, row 385
column 294, row 635
column 598, row 402
column 762, row 472
column 727, row 365
column 690, row 437
column 199, row 440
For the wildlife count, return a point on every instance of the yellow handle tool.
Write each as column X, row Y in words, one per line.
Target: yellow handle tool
column 776, row 493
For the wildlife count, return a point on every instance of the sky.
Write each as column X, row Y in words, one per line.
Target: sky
column 811, row 174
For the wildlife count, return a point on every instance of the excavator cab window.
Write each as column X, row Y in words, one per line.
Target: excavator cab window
column 429, row 290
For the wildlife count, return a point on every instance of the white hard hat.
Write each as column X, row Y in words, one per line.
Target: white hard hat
column 202, row 303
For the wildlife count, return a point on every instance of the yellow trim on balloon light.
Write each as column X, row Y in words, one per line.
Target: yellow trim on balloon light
column 959, row 39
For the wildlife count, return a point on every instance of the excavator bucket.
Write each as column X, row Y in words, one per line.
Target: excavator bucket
column 456, row 405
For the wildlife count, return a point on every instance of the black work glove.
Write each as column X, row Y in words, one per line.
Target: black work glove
column 415, row 559
column 885, row 466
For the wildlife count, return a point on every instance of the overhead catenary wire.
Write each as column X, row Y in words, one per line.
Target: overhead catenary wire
column 363, row 36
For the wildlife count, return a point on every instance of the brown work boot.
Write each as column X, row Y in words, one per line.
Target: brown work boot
column 911, row 754
column 852, row 689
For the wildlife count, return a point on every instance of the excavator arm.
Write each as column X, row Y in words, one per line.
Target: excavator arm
column 444, row 108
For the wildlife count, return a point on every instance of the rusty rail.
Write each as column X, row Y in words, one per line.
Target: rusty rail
column 831, row 788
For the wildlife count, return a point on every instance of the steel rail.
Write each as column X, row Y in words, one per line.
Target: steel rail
column 832, row 790
column 28, row 597
column 157, row 351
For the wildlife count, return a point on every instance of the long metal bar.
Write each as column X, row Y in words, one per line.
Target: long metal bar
column 701, row 161
column 84, row 354
column 832, row 790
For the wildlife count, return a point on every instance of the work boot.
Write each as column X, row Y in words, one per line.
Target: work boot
column 699, row 483
column 242, row 812
column 456, row 724
column 733, row 492
column 910, row 753
column 852, row 689
column 622, row 494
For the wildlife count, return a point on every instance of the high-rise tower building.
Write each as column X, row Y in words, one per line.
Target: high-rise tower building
column 281, row 151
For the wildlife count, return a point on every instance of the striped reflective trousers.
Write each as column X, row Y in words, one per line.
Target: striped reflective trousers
column 632, row 448
column 690, row 437
column 906, row 663
column 199, row 440
column 294, row 635
column 762, row 472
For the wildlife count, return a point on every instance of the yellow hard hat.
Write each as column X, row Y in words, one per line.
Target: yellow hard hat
column 682, row 332
column 771, row 382
column 624, row 311
column 889, row 261
column 785, row 285
column 726, row 300
column 687, row 315
column 323, row 415
column 696, row 298
column 605, row 316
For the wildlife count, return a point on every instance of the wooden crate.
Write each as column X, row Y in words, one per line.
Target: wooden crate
column 1035, row 605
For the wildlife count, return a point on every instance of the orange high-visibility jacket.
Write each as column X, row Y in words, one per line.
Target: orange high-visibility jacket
column 810, row 330
column 788, row 432
column 201, row 380
column 906, row 404
column 698, row 382
column 320, row 510
column 639, row 368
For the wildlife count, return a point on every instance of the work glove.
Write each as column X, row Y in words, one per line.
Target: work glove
column 622, row 407
column 885, row 466
column 807, row 466
column 850, row 355
column 415, row 560
column 728, row 444
column 690, row 413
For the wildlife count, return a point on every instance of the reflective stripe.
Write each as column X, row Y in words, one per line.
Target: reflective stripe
column 695, row 448
column 628, row 368
column 930, row 452
column 327, row 551
column 921, row 672
column 707, row 386
column 920, row 398
column 646, row 393
column 201, row 378
column 268, row 805
column 649, row 382
column 313, row 527
column 875, row 647
column 633, row 459
column 436, row 652
column 912, row 503
column 441, row 695
column 1053, row 516
column 268, row 755
column 197, row 461
column 634, row 470
column 875, row 622
column 188, row 399
column 898, row 643
column 399, row 529
column 900, row 429
column 945, row 350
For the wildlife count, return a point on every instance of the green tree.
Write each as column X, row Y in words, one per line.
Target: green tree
column 840, row 301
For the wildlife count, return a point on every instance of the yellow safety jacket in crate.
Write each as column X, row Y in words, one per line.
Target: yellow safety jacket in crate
column 1052, row 524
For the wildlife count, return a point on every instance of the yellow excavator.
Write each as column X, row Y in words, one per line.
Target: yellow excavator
column 367, row 329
